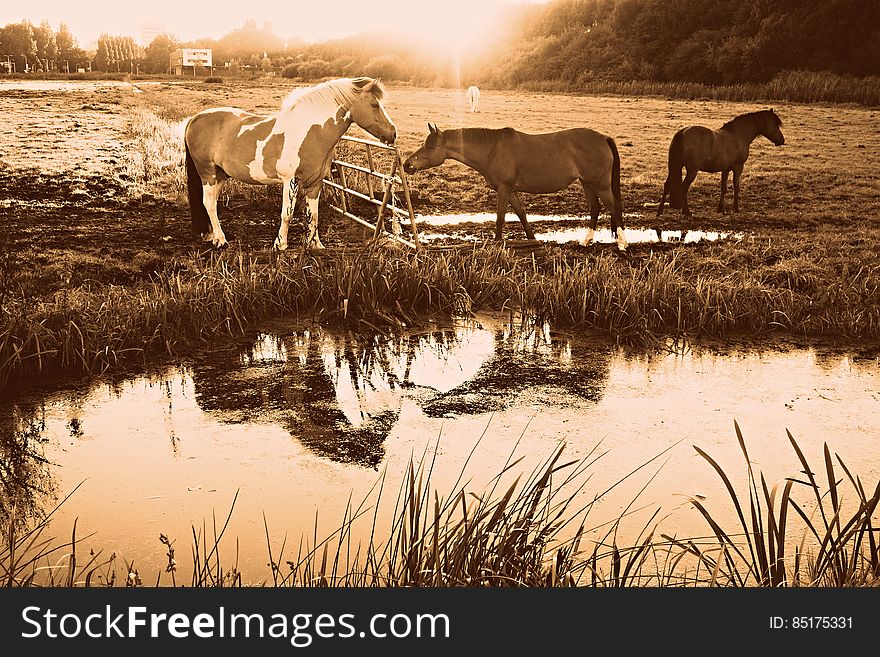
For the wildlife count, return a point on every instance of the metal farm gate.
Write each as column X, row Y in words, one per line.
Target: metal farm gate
column 358, row 175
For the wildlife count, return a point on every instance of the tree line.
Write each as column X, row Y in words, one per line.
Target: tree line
column 570, row 43
column 27, row 47
column 704, row 41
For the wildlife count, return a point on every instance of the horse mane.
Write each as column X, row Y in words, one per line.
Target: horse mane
column 480, row 135
column 751, row 115
column 342, row 91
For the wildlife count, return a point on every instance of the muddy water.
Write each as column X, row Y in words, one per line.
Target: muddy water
column 561, row 229
column 299, row 422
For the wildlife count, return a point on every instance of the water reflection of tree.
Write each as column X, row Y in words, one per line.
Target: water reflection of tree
column 26, row 485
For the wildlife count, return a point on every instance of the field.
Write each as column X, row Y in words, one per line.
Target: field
column 92, row 195
column 99, row 270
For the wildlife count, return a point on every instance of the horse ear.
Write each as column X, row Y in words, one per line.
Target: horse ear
column 432, row 128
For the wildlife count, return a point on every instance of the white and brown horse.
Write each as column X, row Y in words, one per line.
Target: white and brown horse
column 293, row 147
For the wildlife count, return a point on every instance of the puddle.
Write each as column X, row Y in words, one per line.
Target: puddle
column 303, row 421
column 634, row 235
column 489, row 218
column 61, row 85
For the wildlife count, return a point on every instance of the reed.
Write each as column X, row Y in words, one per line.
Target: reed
column 522, row 530
column 838, row 546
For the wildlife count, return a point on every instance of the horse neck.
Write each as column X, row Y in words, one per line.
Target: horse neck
column 473, row 153
column 745, row 130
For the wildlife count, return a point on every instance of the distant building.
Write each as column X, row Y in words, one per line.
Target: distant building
column 186, row 61
column 150, row 31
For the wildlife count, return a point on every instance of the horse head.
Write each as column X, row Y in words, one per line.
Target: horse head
column 772, row 129
column 432, row 152
column 368, row 112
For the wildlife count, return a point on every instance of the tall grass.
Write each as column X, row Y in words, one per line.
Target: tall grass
column 839, row 546
column 91, row 330
column 789, row 86
column 522, row 530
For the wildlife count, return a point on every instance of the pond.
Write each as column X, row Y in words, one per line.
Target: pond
column 302, row 421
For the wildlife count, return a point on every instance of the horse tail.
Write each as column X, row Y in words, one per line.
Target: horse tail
column 201, row 222
column 676, row 162
column 615, row 177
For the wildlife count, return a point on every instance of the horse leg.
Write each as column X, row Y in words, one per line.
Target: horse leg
column 660, row 208
column 517, row 206
column 210, row 194
column 288, row 204
column 737, row 172
column 503, row 201
column 723, row 190
column 313, row 241
column 593, row 201
column 685, row 185
column 614, row 210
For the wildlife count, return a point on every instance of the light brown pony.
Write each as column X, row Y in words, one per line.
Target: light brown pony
column 697, row 148
column 294, row 147
column 513, row 161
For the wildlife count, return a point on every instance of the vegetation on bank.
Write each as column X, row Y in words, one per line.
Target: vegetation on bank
column 714, row 289
column 527, row 529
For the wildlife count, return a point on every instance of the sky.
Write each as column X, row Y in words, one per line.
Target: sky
column 462, row 22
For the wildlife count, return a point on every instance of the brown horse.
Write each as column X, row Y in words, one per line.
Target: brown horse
column 698, row 148
column 293, row 147
column 513, row 161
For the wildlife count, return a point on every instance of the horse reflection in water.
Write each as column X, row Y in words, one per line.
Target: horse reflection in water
column 341, row 395
column 526, row 359
column 295, row 381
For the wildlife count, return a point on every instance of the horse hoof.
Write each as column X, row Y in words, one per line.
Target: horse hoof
column 316, row 246
column 279, row 246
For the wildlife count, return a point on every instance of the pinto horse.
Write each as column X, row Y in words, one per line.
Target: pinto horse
column 473, row 98
column 698, row 148
column 513, row 161
column 293, row 147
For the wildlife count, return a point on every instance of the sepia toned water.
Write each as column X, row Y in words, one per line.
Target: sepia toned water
column 300, row 423
column 553, row 228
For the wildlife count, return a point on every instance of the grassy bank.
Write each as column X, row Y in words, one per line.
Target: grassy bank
column 525, row 529
column 703, row 290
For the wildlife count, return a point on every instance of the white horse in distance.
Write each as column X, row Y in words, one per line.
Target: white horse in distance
column 473, row 98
